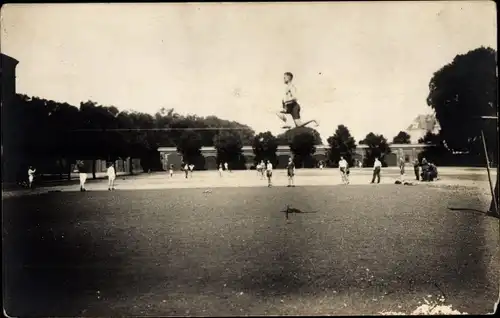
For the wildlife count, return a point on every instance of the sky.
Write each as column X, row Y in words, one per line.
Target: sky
column 366, row 65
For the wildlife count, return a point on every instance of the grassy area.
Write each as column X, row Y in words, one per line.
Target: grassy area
column 361, row 250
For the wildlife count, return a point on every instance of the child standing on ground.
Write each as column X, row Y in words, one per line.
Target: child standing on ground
column 343, row 166
column 111, row 176
column 269, row 173
column 290, row 170
column 31, row 176
column 82, row 172
column 191, row 168
column 402, row 168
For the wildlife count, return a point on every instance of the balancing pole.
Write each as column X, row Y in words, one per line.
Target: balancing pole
column 495, row 202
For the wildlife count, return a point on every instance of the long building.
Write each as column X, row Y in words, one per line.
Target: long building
column 409, row 152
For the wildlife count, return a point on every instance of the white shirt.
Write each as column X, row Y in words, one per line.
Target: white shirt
column 290, row 93
column 377, row 163
column 269, row 167
column 191, row 167
column 31, row 172
column 226, row 165
column 111, row 171
column 343, row 163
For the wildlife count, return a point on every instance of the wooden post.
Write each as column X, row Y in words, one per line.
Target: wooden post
column 489, row 174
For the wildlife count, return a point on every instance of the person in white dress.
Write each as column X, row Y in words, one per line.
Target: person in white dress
column 31, row 176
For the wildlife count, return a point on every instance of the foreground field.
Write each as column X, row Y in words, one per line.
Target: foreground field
column 231, row 251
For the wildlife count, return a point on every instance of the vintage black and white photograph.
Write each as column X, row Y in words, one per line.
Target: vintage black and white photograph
column 250, row 159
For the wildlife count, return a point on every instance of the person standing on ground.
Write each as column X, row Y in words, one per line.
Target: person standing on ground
column 171, row 170
column 402, row 168
column 111, row 176
column 31, row 176
column 416, row 169
column 226, row 166
column 269, row 173
column 262, row 169
column 186, row 170
column 191, row 168
column 377, row 165
column 82, row 172
column 290, row 170
column 343, row 166
column 220, row 169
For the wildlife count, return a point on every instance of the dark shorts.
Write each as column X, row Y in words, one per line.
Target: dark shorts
column 402, row 170
column 269, row 174
column 293, row 108
column 290, row 173
column 343, row 170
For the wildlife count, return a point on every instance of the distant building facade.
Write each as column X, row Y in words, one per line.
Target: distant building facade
column 421, row 125
column 8, row 78
column 408, row 152
column 8, row 94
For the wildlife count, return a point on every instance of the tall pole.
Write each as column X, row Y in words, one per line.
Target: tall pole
column 489, row 174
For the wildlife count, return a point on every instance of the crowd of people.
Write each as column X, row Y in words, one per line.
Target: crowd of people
column 424, row 171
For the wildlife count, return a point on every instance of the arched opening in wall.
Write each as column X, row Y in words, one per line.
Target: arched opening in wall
column 391, row 160
column 210, row 163
column 282, row 161
column 249, row 162
column 319, row 158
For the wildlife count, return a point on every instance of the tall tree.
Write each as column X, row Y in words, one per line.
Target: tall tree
column 402, row 138
column 377, row 148
column 342, row 143
column 461, row 91
column 189, row 145
column 264, row 147
column 302, row 142
column 229, row 146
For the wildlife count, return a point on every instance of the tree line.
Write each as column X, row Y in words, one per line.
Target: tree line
column 37, row 129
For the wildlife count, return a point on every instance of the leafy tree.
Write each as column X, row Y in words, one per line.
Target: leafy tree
column 302, row 142
column 431, row 139
column 229, row 146
column 402, row 138
column 50, row 131
column 189, row 145
column 461, row 91
column 377, row 148
column 342, row 143
column 265, row 147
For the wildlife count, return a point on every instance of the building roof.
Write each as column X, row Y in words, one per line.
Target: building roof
column 7, row 60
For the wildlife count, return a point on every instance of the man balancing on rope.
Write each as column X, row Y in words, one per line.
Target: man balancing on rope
column 290, row 104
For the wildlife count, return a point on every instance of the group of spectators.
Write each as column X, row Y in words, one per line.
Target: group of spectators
column 424, row 170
